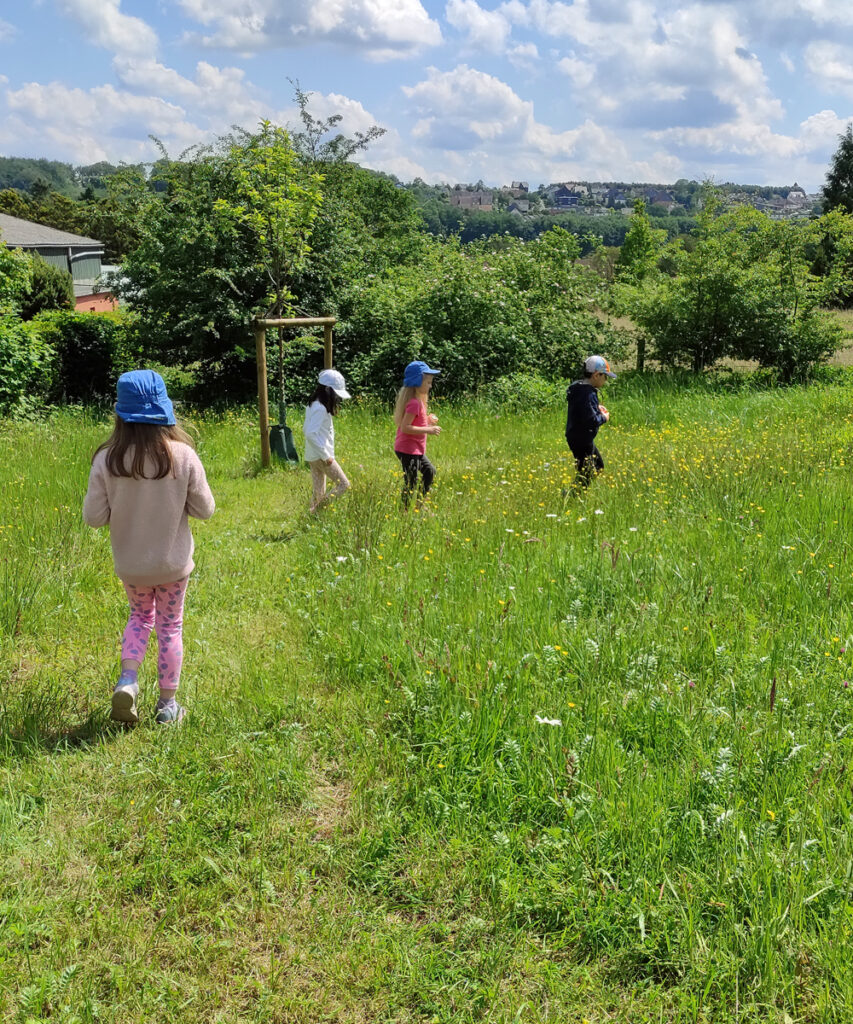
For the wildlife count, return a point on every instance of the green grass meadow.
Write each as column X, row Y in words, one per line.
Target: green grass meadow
column 516, row 758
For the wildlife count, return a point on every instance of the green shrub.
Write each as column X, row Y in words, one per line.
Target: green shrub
column 49, row 288
column 520, row 392
column 25, row 366
column 90, row 350
column 477, row 312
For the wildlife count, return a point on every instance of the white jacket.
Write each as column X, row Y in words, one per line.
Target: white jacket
column 319, row 433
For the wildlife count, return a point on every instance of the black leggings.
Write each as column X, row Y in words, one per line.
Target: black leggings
column 588, row 460
column 412, row 465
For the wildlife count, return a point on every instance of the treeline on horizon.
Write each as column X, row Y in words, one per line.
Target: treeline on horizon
column 284, row 222
column 75, row 198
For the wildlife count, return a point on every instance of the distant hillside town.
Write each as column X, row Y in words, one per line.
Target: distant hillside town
column 599, row 199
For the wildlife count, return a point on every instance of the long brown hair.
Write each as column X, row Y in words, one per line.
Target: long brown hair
column 148, row 440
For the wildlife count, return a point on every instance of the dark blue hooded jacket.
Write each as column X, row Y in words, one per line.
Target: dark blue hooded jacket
column 583, row 418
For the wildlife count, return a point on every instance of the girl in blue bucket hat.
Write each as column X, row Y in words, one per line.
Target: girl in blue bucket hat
column 414, row 423
column 145, row 481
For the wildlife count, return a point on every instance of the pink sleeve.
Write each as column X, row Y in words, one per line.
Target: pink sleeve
column 414, row 407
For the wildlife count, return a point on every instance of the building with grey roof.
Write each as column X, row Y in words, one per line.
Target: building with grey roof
column 79, row 255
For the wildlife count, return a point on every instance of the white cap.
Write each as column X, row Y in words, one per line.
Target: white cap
column 334, row 380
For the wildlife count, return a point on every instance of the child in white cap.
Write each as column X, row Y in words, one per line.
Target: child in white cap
column 585, row 415
column 319, row 433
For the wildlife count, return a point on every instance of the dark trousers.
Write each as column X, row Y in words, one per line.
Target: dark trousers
column 588, row 460
column 412, row 465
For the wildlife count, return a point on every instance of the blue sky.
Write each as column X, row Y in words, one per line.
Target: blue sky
column 539, row 90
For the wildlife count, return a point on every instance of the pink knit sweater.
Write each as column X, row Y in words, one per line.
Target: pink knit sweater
column 149, row 532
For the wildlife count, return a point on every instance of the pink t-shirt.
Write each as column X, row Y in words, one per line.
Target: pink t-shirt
column 412, row 444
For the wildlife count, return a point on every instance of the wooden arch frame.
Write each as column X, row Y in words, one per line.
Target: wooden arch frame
column 260, row 330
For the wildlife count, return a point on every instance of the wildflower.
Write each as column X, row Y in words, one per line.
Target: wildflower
column 342, row 558
column 771, row 815
column 632, row 529
column 547, row 721
column 599, row 511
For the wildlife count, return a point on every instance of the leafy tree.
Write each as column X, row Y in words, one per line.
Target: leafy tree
column 745, row 291
column 637, row 264
column 50, row 287
column 273, row 201
column 638, row 256
column 832, row 257
column 217, row 247
column 319, row 141
column 22, row 172
column 838, row 190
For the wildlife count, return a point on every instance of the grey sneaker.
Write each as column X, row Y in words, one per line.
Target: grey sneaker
column 169, row 713
column 124, row 703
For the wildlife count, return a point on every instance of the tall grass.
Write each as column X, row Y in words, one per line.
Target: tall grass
column 515, row 756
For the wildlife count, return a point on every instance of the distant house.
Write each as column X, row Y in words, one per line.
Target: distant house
column 565, row 198
column 79, row 255
column 519, row 206
column 518, row 189
column 478, row 199
column 616, row 198
column 660, row 197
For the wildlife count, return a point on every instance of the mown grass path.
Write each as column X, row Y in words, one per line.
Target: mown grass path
column 369, row 815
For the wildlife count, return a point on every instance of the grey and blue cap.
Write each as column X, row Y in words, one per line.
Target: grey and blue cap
column 141, row 398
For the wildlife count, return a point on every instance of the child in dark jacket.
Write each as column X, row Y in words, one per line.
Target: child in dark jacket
column 585, row 415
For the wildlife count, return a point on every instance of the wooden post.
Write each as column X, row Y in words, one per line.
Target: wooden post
column 327, row 346
column 263, row 397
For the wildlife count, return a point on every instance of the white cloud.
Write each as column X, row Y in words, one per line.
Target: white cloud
column 819, row 133
column 580, row 72
column 820, row 12
column 7, row 31
column 105, row 25
column 380, row 29
column 486, row 30
column 221, row 93
column 524, row 56
column 830, row 63
column 95, row 124
column 474, row 125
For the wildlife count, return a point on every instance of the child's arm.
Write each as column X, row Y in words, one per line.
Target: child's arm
column 407, row 427
column 200, row 503
column 598, row 415
column 96, row 504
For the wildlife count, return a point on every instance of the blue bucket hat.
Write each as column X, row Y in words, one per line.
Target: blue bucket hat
column 141, row 398
column 413, row 375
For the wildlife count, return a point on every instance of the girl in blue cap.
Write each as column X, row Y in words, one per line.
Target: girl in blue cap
column 414, row 423
column 144, row 482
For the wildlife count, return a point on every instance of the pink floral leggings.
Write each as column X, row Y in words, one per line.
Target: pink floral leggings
column 160, row 608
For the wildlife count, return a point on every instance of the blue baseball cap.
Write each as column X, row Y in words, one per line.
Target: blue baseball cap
column 413, row 375
column 141, row 398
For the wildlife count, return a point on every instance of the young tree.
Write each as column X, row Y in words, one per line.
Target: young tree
column 838, row 190
column 222, row 233
column 636, row 266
